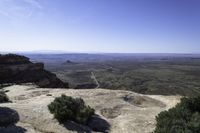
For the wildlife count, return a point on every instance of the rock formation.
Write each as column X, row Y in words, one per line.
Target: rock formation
column 19, row 69
column 120, row 111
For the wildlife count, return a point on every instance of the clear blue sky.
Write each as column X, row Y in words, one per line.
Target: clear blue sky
column 130, row 26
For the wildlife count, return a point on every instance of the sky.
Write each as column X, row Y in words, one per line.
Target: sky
column 113, row 26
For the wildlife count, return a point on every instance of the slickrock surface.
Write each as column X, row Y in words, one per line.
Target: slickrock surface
column 125, row 111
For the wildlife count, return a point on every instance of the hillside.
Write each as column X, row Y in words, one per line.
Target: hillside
column 125, row 111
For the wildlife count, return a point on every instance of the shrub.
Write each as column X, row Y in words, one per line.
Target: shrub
column 3, row 97
column 67, row 108
column 183, row 118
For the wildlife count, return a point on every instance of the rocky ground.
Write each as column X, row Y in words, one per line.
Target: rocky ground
column 125, row 111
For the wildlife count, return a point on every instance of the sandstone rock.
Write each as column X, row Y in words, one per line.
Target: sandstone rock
column 18, row 69
column 13, row 59
column 31, row 104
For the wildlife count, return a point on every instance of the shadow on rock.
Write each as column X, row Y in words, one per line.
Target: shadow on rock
column 12, row 129
column 8, row 118
column 70, row 125
column 95, row 123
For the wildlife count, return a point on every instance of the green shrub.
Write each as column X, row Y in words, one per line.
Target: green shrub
column 183, row 118
column 67, row 108
column 3, row 97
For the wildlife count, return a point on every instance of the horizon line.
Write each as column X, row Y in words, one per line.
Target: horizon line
column 86, row 52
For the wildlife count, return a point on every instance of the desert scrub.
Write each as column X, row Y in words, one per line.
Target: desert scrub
column 67, row 108
column 183, row 118
column 3, row 97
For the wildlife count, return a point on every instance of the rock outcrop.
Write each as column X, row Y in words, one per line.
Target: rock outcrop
column 116, row 112
column 19, row 69
column 12, row 59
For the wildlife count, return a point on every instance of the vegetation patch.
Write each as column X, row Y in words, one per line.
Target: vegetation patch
column 66, row 108
column 156, row 75
column 3, row 97
column 183, row 118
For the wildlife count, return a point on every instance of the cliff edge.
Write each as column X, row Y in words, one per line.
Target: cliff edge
column 16, row 69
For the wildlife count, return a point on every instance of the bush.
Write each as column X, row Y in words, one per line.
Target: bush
column 67, row 108
column 3, row 97
column 183, row 118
